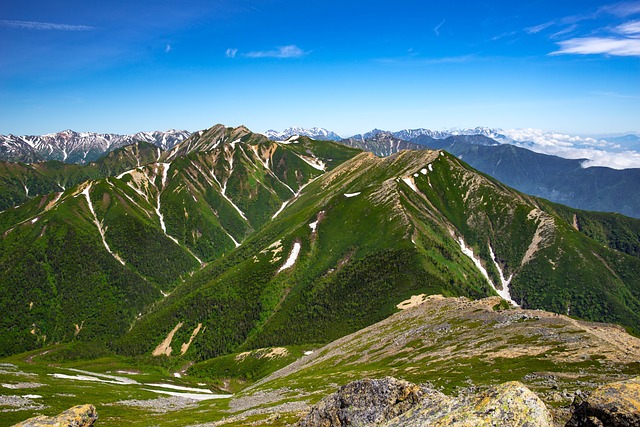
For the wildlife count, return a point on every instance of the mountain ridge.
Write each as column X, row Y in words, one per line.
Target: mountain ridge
column 78, row 147
column 314, row 132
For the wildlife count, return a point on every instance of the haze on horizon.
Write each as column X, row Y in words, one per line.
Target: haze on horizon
column 348, row 66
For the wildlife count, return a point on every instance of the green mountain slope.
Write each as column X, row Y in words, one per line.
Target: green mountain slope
column 560, row 180
column 369, row 234
column 20, row 182
column 98, row 254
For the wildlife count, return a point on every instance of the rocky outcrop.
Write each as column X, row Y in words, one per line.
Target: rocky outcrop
column 612, row 405
column 394, row 403
column 78, row 416
column 364, row 403
column 510, row 404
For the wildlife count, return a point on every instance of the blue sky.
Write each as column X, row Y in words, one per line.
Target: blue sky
column 349, row 66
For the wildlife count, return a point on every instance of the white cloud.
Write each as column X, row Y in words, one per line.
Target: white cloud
column 536, row 29
column 290, row 51
column 167, row 48
column 437, row 28
column 631, row 28
column 231, row 53
column 567, row 30
column 596, row 152
column 626, row 8
column 600, row 46
column 44, row 26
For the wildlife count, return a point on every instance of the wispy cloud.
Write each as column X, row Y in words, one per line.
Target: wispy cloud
column 537, row 28
column 622, row 9
column 436, row 29
column 290, row 51
column 167, row 48
column 600, row 46
column 44, row 26
column 414, row 60
column 631, row 28
column 503, row 35
column 231, row 53
column 567, row 30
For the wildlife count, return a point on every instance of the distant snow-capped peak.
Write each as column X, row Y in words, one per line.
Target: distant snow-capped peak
column 79, row 147
column 314, row 132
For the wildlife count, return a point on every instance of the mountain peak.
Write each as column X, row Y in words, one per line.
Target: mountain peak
column 314, row 133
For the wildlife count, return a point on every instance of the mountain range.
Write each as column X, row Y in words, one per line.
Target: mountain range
column 247, row 235
column 560, row 180
column 277, row 270
column 78, row 147
column 315, row 133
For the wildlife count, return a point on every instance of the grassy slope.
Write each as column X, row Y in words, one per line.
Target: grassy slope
column 52, row 176
column 53, row 255
column 371, row 251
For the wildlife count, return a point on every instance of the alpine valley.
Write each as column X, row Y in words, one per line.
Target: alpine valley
column 230, row 279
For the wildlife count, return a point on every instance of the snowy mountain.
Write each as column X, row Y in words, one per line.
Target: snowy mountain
column 79, row 147
column 412, row 134
column 314, row 133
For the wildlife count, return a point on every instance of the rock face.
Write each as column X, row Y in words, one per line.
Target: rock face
column 78, row 416
column 394, row 403
column 509, row 404
column 364, row 403
column 612, row 405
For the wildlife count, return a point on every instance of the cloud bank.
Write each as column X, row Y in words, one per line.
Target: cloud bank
column 596, row 152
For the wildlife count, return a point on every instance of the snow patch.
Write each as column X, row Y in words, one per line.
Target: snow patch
column 180, row 388
column 313, row 226
column 292, row 140
column 411, row 183
column 85, row 192
column 430, row 166
column 284, row 205
column 293, row 256
column 423, row 171
column 93, row 378
column 469, row 252
column 314, row 162
column 349, row 195
column 195, row 396
column 125, row 173
column 504, row 293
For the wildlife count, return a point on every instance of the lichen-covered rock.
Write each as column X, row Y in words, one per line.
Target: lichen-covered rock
column 364, row 403
column 394, row 403
column 78, row 416
column 612, row 405
column 510, row 404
